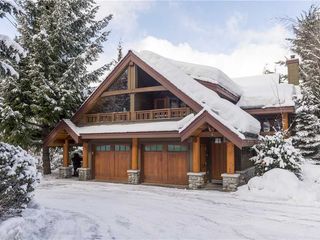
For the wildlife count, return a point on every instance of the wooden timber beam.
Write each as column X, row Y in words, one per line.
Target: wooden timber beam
column 196, row 155
column 85, row 155
column 135, row 90
column 285, row 121
column 134, row 154
column 230, row 158
column 66, row 153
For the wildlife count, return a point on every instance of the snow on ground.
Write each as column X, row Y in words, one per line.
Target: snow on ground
column 70, row 209
column 279, row 184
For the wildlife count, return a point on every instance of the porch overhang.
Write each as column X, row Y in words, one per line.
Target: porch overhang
column 207, row 118
column 58, row 135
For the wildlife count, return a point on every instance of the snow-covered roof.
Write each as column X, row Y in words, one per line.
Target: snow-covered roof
column 264, row 91
column 208, row 74
column 161, row 126
column 224, row 111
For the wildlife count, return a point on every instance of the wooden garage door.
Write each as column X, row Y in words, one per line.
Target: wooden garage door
column 165, row 164
column 112, row 162
column 218, row 160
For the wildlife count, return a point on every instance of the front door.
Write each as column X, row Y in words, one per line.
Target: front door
column 218, row 160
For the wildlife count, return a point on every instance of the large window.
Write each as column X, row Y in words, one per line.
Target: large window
column 120, row 83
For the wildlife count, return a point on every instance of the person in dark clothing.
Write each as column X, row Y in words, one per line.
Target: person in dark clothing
column 76, row 162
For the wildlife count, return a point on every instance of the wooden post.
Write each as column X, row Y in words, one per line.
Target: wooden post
column 132, row 82
column 66, row 153
column 85, row 155
column 285, row 121
column 196, row 155
column 134, row 154
column 230, row 158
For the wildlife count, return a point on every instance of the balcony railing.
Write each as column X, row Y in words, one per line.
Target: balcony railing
column 155, row 114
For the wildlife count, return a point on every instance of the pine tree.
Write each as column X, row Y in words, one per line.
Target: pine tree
column 276, row 152
column 306, row 43
column 10, row 51
column 62, row 38
column 307, row 124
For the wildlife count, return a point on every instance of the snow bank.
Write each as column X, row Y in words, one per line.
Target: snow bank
column 265, row 91
column 283, row 185
column 230, row 114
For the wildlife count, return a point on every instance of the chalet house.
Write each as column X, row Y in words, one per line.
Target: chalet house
column 159, row 121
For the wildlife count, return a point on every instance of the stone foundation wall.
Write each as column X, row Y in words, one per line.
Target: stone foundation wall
column 230, row 182
column 65, row 172
column 196, row 180
column 246, row 175
column 84, row 174
column 133, row 176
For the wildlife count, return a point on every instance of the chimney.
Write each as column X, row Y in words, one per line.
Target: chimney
column 293, row 70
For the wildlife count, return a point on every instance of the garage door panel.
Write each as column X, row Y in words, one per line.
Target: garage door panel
column 121, row 165
column 163, row 166
column 103, row 164
column 111, row 164
column 152, row 169
column 177, row 168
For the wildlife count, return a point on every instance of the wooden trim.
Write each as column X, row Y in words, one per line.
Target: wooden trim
column 270, row 110
column 220, row 90
column 166, row 83
column 135, row 90
column 285, row 121
column 134, row 152
column 205, row 117
column 85, row 155
column 196, row 154
column 90, row 101
column 66, row 153
column 61, row 126
column 165, row 134
column 230, row 158
column 131, row 57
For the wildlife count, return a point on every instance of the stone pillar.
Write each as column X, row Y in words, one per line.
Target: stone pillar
column 65, row 172
column 196, row 180
column 230, row 182
column 133, row 176
column 84, row 174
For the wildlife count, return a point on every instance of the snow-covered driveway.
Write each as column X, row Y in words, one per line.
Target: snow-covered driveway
column 69, row 209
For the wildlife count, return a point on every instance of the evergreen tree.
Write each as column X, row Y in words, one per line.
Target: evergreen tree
column 10, row 51
column 307, row 124
column 62, row 38
column 306, row 43
column 276, row 152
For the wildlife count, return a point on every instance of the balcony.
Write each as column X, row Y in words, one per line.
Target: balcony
column 155, row 114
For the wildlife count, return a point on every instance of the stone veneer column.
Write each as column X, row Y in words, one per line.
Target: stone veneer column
column 65, row 171
column 134, row 172
column 196, row 178
column 230, row 182
column 84, row 174
column 133, row 176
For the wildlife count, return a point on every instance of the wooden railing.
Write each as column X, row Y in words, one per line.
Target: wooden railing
column 155, row 114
